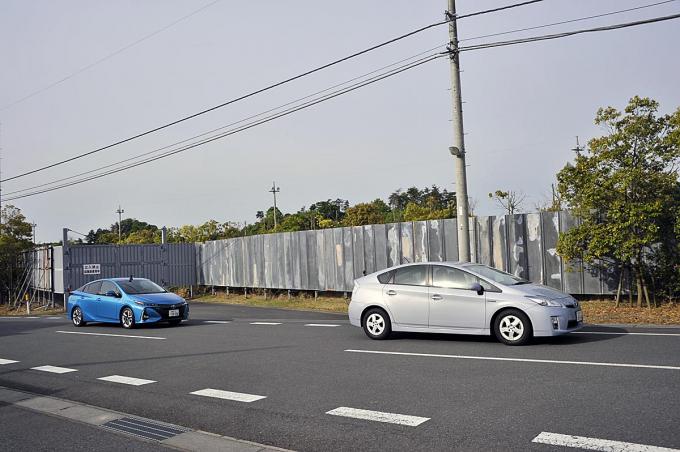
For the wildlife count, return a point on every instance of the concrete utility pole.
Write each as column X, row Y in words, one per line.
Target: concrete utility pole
column 120, row 219
column 458, row 148
column 33, row 225
column 274, row 191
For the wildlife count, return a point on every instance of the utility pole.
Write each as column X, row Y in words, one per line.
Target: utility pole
column 120, row 219
column 458, row 148
column 33, row 225
column 274, row 191
column 578, row 149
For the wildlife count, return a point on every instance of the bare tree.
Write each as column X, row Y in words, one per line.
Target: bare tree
column 511, row 201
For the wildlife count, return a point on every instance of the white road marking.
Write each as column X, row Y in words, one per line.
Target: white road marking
column 265, row 323
column 321, row 324
column 520, row 360
column 626, row 333
column 126, row 380
column 54, row 369
column 111, row 335
column 583, row 442
column 228, row 395
column 216, row 321
column 55, row 318
column 378, row 416
column 7, row 361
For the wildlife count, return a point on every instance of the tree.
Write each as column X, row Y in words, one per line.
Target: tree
column 15, row 238
column 511, row 201
column 624, row 190
column 375, row 212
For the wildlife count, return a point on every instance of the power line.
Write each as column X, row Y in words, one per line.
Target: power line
column 611, row 13
column 266, row 88
column 244, row 127
column 107, row 57
column 567, row 33
column 279, row 107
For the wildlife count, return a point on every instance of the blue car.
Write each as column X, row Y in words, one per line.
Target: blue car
column 128, row 301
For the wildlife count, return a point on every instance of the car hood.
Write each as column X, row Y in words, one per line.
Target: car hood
column 159, row 298
column 539, row 290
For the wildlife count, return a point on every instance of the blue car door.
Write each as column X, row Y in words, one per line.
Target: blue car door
column 88, row 301
column 108, row 306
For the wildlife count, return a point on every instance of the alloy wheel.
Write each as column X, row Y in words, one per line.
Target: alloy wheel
column 511, row 328
column 127, row 318
column 77, row 316
column 375, row 323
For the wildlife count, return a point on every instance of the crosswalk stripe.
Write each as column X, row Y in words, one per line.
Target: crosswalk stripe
column 228, row 395
column 54, row 369
column 378, row 416
column 7, row 361
column 583, row 442
column 126, row 380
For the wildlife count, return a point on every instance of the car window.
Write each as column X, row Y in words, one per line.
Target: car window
column 140, row 286
column 488, row 287
column 386, row 277
column 413, row 275
column 106, row 287
column 92, row 288
column 451, row 278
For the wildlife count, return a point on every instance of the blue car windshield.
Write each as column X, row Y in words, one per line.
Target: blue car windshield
column 140, row 286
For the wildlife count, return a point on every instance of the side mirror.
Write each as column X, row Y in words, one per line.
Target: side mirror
column 477, row 288
column 112, row 293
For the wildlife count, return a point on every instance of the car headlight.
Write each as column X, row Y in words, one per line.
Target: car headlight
column 544, row 301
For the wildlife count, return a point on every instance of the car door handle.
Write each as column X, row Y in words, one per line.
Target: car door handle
column 436, row 297
column 391, row 292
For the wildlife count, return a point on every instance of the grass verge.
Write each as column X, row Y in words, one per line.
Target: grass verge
column 322, row 304
column 607, row 312
column 8, row 310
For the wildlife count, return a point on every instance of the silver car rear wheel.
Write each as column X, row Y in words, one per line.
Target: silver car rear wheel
column 376, row 324
column 513, row 327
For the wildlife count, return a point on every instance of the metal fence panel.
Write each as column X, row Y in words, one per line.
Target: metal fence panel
column 553, row 264
column 382, row 259
column 435, row 240
column 450, row 233
column 348, row 255
column 534, row 248
column 517, row 257
column 499, row 243
column 393, row 245
column 420, row 241
column 407, row 251
column 485, row 241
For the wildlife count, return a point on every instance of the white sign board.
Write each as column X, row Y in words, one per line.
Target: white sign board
column 92, row 269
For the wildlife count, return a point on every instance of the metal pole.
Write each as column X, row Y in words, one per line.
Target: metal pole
column 458, row 148
column 274, row 191
column 120, row 219
column 33, row 225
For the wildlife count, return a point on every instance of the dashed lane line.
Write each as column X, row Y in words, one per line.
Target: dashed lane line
column 520, row 360
column 265, row 323
column 54, row 369
column 126, row 380
column 111, row 335
column 322, row 324
column 378, row 416
column 228, row 395
column 7, row 361
column 217, row 321
column 583, row 442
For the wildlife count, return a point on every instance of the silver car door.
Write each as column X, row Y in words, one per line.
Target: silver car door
column 451, row 304
column 406, row 296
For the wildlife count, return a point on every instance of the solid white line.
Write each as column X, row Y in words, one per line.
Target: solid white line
column 126, row 380
column 54, row 369
column 626, row 333
column 520, row 360
column 54, row 318
column 321, row 324
column 111, row 335
column 265, row 323
column 216, row 321
column 583, row 442
column 378, row 416
column 7, row 361
column 228, row 395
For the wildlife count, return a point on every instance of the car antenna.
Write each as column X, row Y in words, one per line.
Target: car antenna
column 130, row 278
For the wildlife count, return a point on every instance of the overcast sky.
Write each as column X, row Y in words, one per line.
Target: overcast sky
column 524, row 104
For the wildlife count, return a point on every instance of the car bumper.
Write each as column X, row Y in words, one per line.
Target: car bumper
column 162, row 314
column 556, row 321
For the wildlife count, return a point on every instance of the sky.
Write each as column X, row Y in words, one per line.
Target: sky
column 524, row 105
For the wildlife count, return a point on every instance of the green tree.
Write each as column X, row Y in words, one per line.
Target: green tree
column 511, row 201
column 15, row 238
column 625, row 192
column 376, row 212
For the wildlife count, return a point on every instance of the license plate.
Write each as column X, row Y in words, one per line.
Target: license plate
column 173, row 313
column 579, row 316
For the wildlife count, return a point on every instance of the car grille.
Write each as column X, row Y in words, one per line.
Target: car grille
column 164, row 311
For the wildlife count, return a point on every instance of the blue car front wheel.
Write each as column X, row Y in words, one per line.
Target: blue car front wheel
column 77, row 317
column 127, row 318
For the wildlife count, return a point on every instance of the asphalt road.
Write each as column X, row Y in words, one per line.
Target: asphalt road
column 281, row 374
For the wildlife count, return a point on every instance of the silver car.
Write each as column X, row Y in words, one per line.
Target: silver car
column 460, row 298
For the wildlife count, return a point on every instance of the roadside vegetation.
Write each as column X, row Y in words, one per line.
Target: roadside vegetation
column 302, row 301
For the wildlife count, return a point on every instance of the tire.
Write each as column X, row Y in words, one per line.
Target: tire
column 77, row 317
column 127, row 318
column 513, row 327
column 376, row 324
column 174, row 322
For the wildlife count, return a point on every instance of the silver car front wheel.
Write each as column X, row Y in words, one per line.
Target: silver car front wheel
column 376, row 324
column 513, row 327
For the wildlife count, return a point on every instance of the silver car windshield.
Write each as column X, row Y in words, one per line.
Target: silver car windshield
column 496, row 275
column 140, row 286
